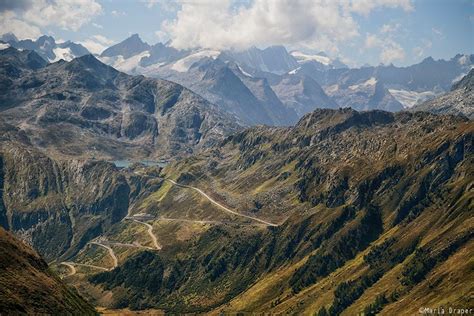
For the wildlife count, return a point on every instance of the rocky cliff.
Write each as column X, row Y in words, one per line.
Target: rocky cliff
column 85, row 108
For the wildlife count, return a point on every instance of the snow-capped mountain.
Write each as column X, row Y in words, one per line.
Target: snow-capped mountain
column 460, row 100
column 255, row 80
column 127, row 48
column 301, row 80
column 408, row 85
column 251, row 100
column 274, row 59
column 47, row 47
column 320, row 60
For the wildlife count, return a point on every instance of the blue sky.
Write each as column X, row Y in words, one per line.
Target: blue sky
column 401, row 32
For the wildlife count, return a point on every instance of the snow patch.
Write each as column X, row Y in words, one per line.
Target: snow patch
column 372, row 81
column 463, row 60
column 185, row 63
column 294, row 71
column 244, row 72
column 332, row 89
column 62, row 53
column 151, row 70
column 302, row 57
column 458, row 78
column 411, row 98
column 128, row 65
column 4, row 46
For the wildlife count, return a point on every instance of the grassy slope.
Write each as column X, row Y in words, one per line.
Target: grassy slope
column 416, row 170
column 28, row 286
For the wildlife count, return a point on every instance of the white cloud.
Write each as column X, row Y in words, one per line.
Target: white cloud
column 9, row 22
column 96, row 44
column 97, row 26
column 420, row 50
column 26, row 21
column 264, row 22
column 391, row 53
column 162, row 36
column 390, row 28
column 315, row 24
column 437, row 32
column 166, row 5
column 117, row 13
column 390, row 50
column 372, row 41
column 67, row 14
column 364, row 7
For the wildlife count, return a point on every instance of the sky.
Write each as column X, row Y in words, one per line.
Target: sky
column 359, row 32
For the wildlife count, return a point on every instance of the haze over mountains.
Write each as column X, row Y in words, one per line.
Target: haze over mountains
column 272, row 86
column 382, row 87
column 225, row 182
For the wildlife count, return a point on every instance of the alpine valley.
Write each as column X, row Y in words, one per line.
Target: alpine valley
column 153, row 180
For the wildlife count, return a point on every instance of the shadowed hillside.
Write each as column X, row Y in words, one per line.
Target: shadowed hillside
column 27, row 286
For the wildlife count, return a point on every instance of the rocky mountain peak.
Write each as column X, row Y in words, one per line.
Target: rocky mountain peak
column 91, row 64
column 127, row 48
column 343, row 118
column 467, row 82
column 9, row 37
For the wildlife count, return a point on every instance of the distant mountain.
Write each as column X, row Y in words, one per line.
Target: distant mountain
column 274, row 59
column 460, row 100
column 250, row 99
column 397, row 87
column 320, row 60
column 75, row 108
column 127, row 48
column 368, row 95
column 28, row 287
column 249, row 93
column 301, row 93
column 47, row 47
column 408, row 85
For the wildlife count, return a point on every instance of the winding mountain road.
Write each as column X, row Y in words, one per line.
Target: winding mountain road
column 220, row 205
column 150, row 232
column 110, row 250
column 119, row 244
column 71, row 267
column 189, row 220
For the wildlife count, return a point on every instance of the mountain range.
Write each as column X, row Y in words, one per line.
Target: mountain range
column 205, row 181
column 459, row 100
column 382, row 87
column 270, row 86
column 84, row 107
column 46, row 47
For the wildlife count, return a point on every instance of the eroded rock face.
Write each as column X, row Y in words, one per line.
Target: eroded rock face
column 74, row 108
column 459, row 101
column 59, row 205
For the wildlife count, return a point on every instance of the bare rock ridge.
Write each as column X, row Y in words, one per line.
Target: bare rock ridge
column 76, row 108
column 460, row 100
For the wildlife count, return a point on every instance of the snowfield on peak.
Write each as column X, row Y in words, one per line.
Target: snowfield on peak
column 372, row 81
column 185, row 63
column 411, row 98
column 128, row 65
column 302, row 57
column 62, row 53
